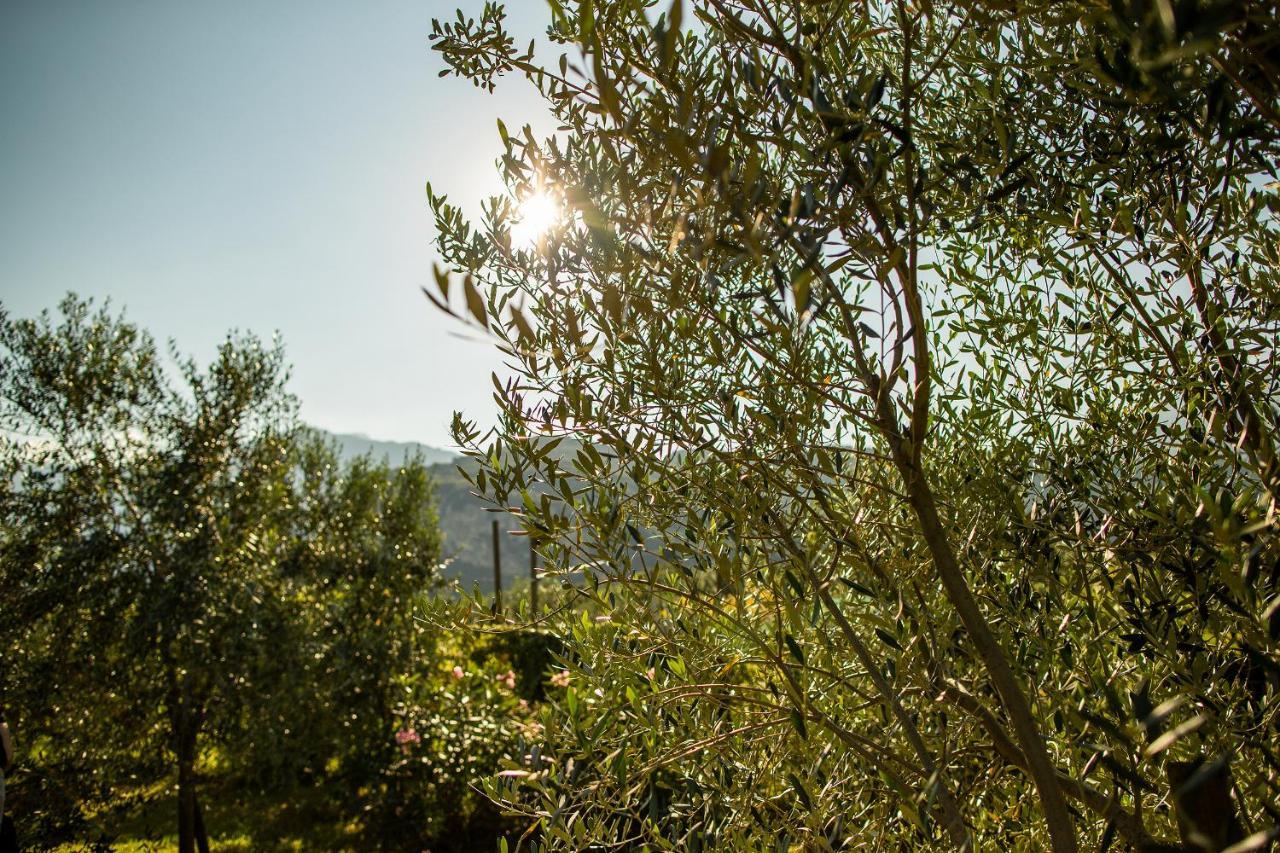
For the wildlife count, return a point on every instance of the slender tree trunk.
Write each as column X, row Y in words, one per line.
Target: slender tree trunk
column 186, row 794
column 202, row 837
column 186, row 729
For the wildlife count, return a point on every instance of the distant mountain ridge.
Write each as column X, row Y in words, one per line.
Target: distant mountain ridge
column 351, row 445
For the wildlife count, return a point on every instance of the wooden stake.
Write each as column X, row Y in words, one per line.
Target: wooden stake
column 497, row 570
column 533, row 577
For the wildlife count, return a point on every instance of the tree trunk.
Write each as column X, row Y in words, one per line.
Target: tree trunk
column 185, row 718
column 202, row 837
column 187, row 808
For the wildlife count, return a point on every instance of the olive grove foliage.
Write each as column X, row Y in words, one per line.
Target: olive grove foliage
column 185, row 569
column 140, row 519
column 922, row 357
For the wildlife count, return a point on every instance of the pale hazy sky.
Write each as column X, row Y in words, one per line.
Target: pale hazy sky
column 255, row 164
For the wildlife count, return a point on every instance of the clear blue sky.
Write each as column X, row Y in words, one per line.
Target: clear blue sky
column 255, row 164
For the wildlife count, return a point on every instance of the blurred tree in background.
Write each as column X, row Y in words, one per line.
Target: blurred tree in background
column 922, row 357
column 141, row 521
column 193, row 583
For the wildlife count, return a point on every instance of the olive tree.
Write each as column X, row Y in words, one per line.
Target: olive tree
column 185, row 568
column 142, row 512
column 921, row 357
column 364, row 551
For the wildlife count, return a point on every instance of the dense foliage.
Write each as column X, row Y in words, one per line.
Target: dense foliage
column 196, row 589
column 922, row 356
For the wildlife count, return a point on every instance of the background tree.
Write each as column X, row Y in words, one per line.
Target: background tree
column 141, row 519
column 186, row 571
column 922, row 356
column 364, row 553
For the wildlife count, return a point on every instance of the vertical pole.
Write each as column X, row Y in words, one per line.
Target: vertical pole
column 533, row 577
column 497, row 570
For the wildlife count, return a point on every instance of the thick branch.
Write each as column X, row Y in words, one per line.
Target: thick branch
column 1127, row 823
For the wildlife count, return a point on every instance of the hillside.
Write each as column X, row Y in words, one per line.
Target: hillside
column 351, row 445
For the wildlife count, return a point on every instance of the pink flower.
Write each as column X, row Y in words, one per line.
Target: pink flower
column 406, row 737
column 509, row 680
column 458, row 673
column 560, row 679
column 524, row 704
column 650, row 673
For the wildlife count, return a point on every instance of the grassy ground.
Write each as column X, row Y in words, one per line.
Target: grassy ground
column 235, row 824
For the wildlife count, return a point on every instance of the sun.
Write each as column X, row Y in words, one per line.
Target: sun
column 538, row 213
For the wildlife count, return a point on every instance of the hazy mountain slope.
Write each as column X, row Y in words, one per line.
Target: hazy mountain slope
column 468, row 533
column 351, row 445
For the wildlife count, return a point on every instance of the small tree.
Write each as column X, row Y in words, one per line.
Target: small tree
column 923, row 359
column 142, row 523
column 363, row 555
column 183, row 567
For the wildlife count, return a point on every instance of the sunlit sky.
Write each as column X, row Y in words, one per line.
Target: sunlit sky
column 256, row 164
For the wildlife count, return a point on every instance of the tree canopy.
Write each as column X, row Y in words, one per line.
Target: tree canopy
column 922, row 357
column 184, row 568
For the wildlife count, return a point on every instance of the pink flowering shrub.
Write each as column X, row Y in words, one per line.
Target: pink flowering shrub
column 465, row 719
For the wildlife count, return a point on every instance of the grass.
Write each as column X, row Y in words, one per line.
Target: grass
column 235, row 823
